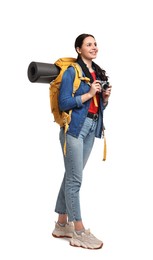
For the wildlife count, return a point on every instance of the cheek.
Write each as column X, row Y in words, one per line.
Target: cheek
column 85, row 53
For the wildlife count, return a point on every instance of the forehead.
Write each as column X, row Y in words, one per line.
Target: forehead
column 89, row 39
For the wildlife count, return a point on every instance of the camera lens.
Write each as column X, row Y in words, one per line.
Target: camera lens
column 104, row 85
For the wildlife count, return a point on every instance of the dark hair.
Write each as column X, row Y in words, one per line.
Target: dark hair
column 101, row 73
column 79, row 40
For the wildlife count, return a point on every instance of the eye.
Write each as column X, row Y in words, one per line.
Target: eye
column 90, row 44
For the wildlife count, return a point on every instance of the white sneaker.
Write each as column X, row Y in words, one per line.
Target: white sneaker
column 86, row 240
column 65, row 231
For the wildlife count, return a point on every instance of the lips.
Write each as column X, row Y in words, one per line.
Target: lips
column 93, row 53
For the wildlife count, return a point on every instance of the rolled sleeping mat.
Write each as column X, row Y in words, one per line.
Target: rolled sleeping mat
column 40, row 72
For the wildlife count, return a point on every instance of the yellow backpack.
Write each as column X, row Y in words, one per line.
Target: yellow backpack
column 63, row 118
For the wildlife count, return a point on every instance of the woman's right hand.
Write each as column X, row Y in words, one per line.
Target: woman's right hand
column 95, row 87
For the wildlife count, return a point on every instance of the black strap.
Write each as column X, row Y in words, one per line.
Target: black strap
column 85, row 69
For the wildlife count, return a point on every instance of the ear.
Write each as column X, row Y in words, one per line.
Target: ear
column 78, row 50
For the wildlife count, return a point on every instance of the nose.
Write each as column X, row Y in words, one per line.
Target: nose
column 94, row 47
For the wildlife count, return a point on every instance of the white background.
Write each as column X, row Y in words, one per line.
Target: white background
column 116, row 195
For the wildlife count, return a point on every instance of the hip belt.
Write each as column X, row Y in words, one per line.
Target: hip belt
column 92, row 116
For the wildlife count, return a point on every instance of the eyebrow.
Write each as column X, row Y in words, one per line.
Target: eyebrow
column 91, row 43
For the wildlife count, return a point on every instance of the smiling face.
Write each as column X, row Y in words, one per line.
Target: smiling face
column 88, row 49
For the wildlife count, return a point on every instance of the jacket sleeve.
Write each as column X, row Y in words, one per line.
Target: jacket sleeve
column 66, row 100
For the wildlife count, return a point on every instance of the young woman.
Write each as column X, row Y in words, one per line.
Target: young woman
column 86, row 123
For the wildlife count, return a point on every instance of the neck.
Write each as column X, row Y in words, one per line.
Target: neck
column 89, row 66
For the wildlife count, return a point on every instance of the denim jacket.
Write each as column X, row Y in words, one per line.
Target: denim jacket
column 79, row 109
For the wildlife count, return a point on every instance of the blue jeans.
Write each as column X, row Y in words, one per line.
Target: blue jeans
column 77, row 154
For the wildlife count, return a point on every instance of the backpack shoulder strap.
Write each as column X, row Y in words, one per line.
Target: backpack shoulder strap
column 78, row 76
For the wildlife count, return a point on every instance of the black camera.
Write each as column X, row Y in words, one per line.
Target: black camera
column 104, row 85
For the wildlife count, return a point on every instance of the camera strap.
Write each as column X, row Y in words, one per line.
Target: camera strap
column 105, row 146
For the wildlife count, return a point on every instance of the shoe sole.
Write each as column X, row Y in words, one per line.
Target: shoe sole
column 56, row 236
column 88, row 247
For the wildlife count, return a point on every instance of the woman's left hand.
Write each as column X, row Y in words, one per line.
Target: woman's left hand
column 106, row 94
